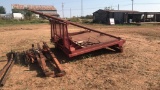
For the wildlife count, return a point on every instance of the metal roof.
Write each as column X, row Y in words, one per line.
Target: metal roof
column 124, row 11
column 127, row 11
column 120, row 11
column 33, row 7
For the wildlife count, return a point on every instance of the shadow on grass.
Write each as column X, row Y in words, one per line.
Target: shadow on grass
column 63, row 58
column 20, row 60
column 3, row 60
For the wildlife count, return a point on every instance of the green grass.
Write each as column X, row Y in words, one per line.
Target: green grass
column 14, row 22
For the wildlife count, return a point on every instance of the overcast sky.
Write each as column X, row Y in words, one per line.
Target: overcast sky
column 89, row 6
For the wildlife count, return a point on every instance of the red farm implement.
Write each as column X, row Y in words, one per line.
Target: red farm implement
column 72, row 44
column 84, row 41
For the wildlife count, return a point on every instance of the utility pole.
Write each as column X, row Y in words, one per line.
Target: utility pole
column 81, row 8
column 118, row 6
column 62, row 10
column 132, row 5
column 70, row 12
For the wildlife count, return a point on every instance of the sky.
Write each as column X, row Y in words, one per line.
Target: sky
column 73, row 7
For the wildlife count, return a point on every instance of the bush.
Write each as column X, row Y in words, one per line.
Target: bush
column 74, row 19
column 86, row 21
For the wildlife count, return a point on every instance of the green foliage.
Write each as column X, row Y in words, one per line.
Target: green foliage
column 108, row 8
column 28, row 15
column 18, row 11
column 86, row 20
column 4, row 22
column 87, row 17
column 74, row 19
column 2, row 10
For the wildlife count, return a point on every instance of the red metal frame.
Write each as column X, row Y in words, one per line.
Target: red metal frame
column 69, row 42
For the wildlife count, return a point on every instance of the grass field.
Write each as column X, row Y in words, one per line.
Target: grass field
column 8, row 22
column 137, row 68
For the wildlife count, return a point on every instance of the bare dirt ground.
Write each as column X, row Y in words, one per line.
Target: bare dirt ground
column 137, row 68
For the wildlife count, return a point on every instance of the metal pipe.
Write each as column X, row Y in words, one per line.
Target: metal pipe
column 6, row 70
column 3, row 80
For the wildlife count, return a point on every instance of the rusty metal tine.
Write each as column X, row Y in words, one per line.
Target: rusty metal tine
column 40, row 57
column 58, row 65
column 38, row 45
column 47, row 47
column 3, row 81
column 42, row 63
column 6, row 70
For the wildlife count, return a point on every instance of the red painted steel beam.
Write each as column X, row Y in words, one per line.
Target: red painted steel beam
column 68, row 22
column 96, row 47
column 55, row 60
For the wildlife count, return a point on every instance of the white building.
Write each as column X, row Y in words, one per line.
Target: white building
column 18, row 16
column 46, row 9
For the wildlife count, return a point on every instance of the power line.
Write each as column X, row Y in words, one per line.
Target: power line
column 112, row 6
column 94, row 7
column 126, row 5
column 146, row 3
column 80, row 9
column 66, row 2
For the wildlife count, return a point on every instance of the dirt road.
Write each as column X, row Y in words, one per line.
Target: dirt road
column 137, row 68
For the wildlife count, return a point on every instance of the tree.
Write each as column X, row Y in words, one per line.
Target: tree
column 108, row 8
column 28, row 14
column 2, row 10
column 87, row 17
column 17, row 11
